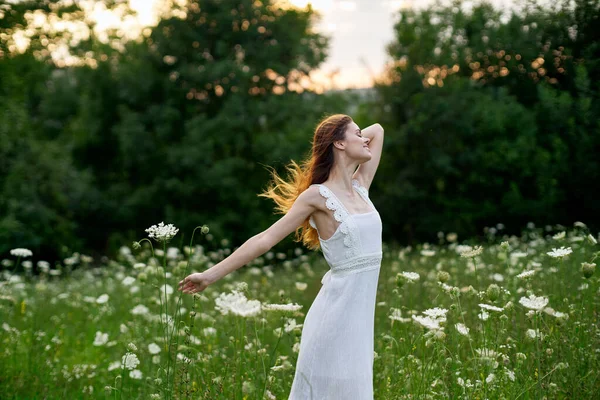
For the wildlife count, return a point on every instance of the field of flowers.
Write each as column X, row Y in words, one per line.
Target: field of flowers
column 506, row 318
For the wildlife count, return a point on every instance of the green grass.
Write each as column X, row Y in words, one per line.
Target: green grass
column 50, row 323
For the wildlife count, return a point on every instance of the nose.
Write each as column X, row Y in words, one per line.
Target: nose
column 367, row 141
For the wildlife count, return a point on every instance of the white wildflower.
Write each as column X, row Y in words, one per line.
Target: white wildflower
column 130, row 361
column 559, row 253
column 103, row 298
column 140, row 309
column 487, row 353
column 128, row 281
column 533, row 302
column 162, row 232
column 473, row 252
column 21, row 252
column 410, row 276
column 560, row 235
column 135, row 374
column 153, row 348
column 427, row 322
column 114, row 365
column 439, row 313
column 526, row 274
column 428, row 253
column 490, row 307
column 510, row 374
column 282, row 307
column 462, row 329
column 396, row 315
column 101, row 339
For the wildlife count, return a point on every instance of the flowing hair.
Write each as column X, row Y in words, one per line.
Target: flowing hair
column 314, row 169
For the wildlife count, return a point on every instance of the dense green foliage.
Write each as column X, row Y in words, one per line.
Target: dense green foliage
column 495, row 119
column 488, row 119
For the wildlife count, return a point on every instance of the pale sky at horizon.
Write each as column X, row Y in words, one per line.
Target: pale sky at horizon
column 361, row 29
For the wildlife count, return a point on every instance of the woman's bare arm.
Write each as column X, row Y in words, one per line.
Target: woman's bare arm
column 366, row 171
column 257, row 245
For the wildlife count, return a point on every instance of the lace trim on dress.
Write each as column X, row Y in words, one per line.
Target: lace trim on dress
column 362, row 191
column 340, row 214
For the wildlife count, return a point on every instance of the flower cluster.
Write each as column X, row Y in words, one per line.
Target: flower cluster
column 162, row 232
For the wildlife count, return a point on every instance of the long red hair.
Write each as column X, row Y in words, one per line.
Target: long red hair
column 314, row 169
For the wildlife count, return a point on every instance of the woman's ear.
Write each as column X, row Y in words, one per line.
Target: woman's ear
column 339, row 144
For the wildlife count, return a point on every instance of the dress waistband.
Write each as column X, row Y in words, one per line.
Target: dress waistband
column 364, row 262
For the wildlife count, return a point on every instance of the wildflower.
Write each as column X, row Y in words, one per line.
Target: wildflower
column 532, row 334
column 128, row 281
column 103, row 298
column 397, row 315
column 490, row 307
column 403, row 277
column 162, row 232
column 438, row 313
column 136, row 245
column 132, row 347
column 247, row 387
column 248, row 308
column 443, row 276
column 526, row 274
column 209, row 331
column 587, row 269
column 472, row 253
column 534, row 303
column 510, row 374
column 483, row 315
column 21, row 252
column 427, row 322
column 428, row 253
column 462, row 329
column 493, row 292
column 301, row 286
column 101, row 339
column 136, row 374
column 560, row 235
column 291, row 324
column 505, row 246
column 487, row 353
column 140, row 309
column 591, row 239
column 282, row 307
column 521, row 357
column 153, row 348
column 130, row 361
column 560, row 253
column 490, row 378
column 168, row 289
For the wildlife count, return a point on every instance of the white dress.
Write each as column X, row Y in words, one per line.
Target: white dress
column 335, row 360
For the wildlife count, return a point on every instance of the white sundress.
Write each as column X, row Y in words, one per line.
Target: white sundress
column 335, row 360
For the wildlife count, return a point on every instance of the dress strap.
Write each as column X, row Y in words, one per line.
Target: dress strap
column 363, row 192
column 332, row 203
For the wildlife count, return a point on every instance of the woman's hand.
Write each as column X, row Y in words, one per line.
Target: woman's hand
column 195, row 283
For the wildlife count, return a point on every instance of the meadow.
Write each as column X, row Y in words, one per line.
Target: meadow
column 508, row 317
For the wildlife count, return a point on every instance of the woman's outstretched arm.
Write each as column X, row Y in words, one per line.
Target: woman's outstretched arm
column 257, row 245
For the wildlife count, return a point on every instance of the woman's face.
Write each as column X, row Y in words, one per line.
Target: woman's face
column 356, row 144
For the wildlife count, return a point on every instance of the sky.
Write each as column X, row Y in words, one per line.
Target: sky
column 360, row 31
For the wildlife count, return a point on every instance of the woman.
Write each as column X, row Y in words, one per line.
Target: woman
column 328, row 200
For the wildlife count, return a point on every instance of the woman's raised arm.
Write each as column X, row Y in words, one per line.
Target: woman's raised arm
column 257, row 245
